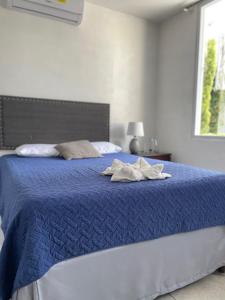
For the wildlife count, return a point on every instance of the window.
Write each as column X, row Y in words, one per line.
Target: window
column 210, row 112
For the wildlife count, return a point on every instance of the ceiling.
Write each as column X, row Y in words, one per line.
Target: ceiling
column 154, row 10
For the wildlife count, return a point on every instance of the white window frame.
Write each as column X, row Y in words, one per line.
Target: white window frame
column 200, row 73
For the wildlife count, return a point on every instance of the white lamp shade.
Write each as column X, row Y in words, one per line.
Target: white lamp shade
column 135, row 129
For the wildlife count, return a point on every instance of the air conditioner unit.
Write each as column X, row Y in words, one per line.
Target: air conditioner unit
column 70, row 11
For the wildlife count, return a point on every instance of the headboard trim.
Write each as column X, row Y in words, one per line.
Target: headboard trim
column 36, row 120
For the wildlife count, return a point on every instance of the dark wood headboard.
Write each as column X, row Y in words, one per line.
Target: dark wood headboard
column 32, row 120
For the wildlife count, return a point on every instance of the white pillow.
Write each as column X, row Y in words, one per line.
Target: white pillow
column 6, row 152
column 106, row 147
column 37, row 150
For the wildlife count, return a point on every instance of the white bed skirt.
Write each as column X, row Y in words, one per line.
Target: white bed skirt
column 140, row 271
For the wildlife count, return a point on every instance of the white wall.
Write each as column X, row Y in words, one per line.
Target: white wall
column 110, row 58
column 178, row 43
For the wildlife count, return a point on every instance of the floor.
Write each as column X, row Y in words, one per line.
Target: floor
column 209, row 288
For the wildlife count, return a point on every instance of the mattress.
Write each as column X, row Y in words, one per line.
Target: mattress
column 54, row 210
column 140, row 271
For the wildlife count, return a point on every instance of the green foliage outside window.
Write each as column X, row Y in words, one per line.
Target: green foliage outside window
column 208, row 83
column 217, row 96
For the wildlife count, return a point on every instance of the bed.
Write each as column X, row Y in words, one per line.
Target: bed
column 70, row 233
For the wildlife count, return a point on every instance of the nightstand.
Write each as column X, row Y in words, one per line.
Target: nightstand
column 156, row 155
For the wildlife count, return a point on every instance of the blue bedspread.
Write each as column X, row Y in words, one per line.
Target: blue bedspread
column 53, row 210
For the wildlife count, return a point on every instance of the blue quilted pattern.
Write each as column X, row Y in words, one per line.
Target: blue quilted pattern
column 54, row 210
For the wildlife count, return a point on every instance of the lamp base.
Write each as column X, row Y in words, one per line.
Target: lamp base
column 134, row 146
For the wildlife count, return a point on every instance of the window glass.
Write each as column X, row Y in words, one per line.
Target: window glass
column 210, row 115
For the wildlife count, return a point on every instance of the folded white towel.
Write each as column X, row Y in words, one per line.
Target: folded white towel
column 141, row 170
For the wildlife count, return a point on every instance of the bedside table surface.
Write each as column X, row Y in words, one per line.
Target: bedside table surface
column 156, row 155
column 153, row 153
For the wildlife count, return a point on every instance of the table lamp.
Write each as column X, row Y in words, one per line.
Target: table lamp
column 136, row 129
